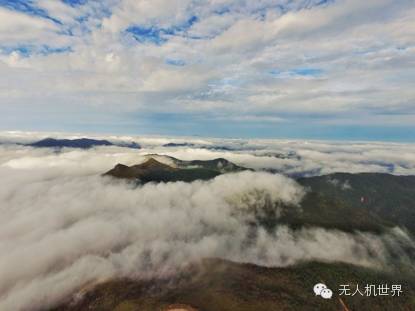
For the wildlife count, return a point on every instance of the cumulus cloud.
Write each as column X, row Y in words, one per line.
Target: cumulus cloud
column 64, row 226
column 17, row 27
column 363, row 64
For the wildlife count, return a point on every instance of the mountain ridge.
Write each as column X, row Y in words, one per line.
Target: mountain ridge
column 153, row 170
column 82, row 143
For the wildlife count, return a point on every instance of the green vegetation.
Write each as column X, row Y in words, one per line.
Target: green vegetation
column 187, row 171
column 368, row 202
column 218, row 285
column 322, row 211
column 383, row 197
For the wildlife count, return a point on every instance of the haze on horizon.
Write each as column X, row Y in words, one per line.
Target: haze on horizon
column 270, row 68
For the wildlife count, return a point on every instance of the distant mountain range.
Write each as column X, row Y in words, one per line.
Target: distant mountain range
column 203, row 146
column 179, row 145
column 83, row 143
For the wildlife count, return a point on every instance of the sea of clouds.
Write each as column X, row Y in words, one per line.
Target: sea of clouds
column 63, row 225
column 289, row 157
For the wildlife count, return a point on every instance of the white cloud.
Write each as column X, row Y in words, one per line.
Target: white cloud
column 65, row 226
column 366, row 64
column 315, row 157
column 144, row 12
column 58, row 9
column 16, row 28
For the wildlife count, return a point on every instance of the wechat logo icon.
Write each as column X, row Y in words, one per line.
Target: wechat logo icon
column 321, row 290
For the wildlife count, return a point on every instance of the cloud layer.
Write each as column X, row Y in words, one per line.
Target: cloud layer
column 63, row 226
column 289, row 157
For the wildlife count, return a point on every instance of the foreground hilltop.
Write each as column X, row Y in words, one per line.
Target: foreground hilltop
column 219, row 285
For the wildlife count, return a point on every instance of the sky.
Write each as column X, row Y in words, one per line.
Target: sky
column 311, row 69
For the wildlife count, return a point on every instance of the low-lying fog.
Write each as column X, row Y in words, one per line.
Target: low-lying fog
column 63, row 225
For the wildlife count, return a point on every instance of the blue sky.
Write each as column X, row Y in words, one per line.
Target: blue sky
column 266, row 68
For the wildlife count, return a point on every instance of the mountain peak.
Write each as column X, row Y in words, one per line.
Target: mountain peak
column 152, row 164
column 153, row 170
